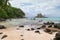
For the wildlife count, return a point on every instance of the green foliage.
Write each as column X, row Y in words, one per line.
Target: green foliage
column 15, row 12
column 1, row 2
column 7, row 11
column 3, row 14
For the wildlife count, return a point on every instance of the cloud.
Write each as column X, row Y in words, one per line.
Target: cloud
column 33, row 7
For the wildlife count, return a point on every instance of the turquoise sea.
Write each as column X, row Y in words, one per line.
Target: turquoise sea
column 26, row 21
column 52, row 19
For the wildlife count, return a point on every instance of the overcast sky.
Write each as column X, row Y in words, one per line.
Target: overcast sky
column 50, row 8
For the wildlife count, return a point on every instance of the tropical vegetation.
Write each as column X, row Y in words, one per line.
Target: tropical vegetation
column 7, row 11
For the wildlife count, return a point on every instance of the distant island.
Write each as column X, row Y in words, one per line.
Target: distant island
column 40, row 16
column 7, row 11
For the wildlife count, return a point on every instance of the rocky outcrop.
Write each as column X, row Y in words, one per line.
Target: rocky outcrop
column 57, row 25
column 48, row 31
column 49, row 23
column 40, row 16
column 57, row 36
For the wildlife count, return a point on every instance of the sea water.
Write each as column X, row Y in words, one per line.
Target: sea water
column 49, row 19
column 25, row 21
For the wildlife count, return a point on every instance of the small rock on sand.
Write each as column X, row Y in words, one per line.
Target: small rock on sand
column 21, row 26
column 2, row 27
column 22, row 39
column 1, row 32
column 37, row 32
column 28, row 29
column 38, row 28
column 21, row 35
column 4, row 36
column 32, row 29
column 17, row 28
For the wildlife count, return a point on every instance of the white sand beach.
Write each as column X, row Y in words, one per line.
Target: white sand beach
column 14, row 34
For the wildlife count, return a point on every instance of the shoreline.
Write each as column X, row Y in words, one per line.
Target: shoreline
column 14, row 34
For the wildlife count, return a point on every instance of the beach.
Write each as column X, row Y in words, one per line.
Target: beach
column 14, row 33
column 29, row 20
